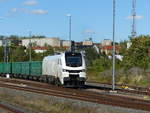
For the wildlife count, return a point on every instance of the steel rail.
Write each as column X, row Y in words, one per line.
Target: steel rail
column 10, row 109
column 119, row 88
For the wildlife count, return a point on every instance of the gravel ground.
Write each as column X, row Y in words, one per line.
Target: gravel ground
column 98, row 107
column 3, row 111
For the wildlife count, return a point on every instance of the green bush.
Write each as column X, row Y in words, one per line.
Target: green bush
column 138, row 55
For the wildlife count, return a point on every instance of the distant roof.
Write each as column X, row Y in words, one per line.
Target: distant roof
column 110, row 47
column 39, row 48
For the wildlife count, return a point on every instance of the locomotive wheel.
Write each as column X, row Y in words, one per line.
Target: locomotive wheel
column 57, row 82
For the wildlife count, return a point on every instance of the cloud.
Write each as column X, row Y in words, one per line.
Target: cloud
column 30, row 3
column 89, row 31
column 38, row 12
column 14, row 10
column 136, row 17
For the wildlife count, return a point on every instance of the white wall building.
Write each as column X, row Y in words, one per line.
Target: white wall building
column 40, row 49
column 54, row 42
column 87, row 43
column 65, row 43
column 129, row 44
column 106, row 42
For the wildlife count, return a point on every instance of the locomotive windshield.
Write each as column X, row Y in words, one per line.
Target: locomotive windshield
column 73, row 59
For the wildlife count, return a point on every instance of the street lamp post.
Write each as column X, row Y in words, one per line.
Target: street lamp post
column 114, row 49
column 70, row 22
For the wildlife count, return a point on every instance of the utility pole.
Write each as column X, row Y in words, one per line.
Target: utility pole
column 70, row 22
column 30, row 47
column 133, row 32
column 114, row 49
column 5, row 49
column 5, row 45
column 70, row 19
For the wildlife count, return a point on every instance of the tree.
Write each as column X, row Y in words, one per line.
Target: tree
column 15, row 37
column 101, row 64
column 123, row 47
column 38, row 36
column 1, row 54
column 138, row 55
column 17, row 54
column 49, row 51
column 91, row 54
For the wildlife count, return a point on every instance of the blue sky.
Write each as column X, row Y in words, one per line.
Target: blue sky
column 89, row 18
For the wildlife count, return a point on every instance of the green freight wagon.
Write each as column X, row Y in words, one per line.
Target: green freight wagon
column 27, row 68
column 16, row 67
column 36, row 68
column 20, row 68
column 23, row 68
column 1, row 68
column 5, row 68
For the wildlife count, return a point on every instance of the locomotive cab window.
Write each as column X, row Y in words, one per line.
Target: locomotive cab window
column 73, row 59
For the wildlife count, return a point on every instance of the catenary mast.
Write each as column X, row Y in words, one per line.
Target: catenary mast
column 133, row 33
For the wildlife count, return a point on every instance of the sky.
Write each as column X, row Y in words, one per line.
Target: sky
column 90, row 18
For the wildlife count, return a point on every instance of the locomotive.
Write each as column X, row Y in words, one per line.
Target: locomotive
column 68, row 68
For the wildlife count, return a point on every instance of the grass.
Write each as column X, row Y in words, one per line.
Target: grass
column 45, row 106
column 122, row 77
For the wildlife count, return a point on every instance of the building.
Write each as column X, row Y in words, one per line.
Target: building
column 78, row 44
column 54, row 42
column 87, row 43
column 106, row 42
column 65, row 43
column 98, row 45
column 129, row 43
column 108, row 49
column 16, row 42
column 39, row 49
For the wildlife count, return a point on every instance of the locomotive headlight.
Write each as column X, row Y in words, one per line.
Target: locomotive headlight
column 64, row 70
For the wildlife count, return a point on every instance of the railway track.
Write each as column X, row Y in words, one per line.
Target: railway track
column 83, row 95
column 120, row 88
column 10, row 108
